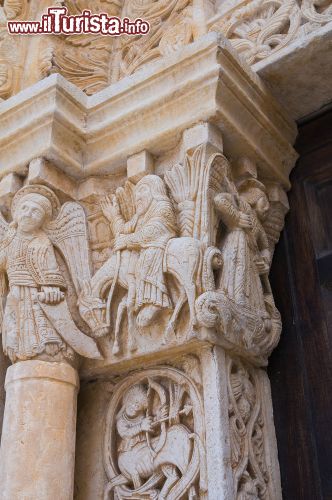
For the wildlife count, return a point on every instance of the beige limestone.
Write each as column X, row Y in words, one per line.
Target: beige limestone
column 38, row 439
column 142, row 241
column 139, row 165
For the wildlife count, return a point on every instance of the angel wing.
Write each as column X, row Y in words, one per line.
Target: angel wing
column 126, row 200
column 4, row 226
column 68, row 232
column 274, row 223
column 6, row 234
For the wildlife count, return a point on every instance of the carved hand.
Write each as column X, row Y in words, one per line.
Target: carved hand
column 262, row 266
column 120, row 242
column 110, row 207
column 51, row 295
column 146, row 424
column 245, row 221
column 162, row 412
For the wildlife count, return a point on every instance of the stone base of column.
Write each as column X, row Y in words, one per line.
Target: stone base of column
column 37, row 455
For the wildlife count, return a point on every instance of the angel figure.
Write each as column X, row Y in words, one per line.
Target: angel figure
column 36, row 322
column 246, row 250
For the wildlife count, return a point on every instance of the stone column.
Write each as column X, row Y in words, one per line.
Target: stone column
column 38, row 439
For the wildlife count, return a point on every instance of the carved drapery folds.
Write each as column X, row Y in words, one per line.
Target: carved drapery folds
column 36, row 287
column 154, row 439
column 190, row 253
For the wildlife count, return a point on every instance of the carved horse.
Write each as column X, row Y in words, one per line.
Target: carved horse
column 186, row 259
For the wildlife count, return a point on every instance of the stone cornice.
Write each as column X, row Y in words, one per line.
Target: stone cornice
column 205, row 81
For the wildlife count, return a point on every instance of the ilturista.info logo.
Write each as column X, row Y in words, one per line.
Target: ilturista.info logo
column 58, row 22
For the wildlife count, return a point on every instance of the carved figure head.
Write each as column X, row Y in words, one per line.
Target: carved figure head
column 254, row 192
column 150, row 188
column 32, row 206
column 135, row 400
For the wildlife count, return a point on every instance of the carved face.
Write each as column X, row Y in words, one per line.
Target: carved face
column 136, row 401
column 29, row 215
column 262, row 207
column 143, row 199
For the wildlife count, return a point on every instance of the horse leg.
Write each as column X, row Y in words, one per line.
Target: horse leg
column 136, row 479
column 171, row 477
column 131, row 316
column 190, row 289
column 121, row 309
column 172, row 322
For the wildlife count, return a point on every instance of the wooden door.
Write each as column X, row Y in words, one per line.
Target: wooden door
column 301, row 367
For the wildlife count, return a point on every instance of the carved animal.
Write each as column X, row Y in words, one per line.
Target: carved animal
column 184, row 260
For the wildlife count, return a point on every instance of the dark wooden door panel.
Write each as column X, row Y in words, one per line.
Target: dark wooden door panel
column 301, row 367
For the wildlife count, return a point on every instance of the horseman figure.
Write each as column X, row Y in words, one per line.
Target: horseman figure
column 152, row 241
column 146, row 235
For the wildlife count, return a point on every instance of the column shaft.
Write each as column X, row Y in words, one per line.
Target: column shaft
column 38, row 439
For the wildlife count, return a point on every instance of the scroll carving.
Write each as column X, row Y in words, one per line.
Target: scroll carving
column 251, row 478
column 37, row 322
column 10, row 46
column 154, row 442
column 259, row 28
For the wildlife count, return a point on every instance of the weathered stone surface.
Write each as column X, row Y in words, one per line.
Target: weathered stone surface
column 139, row 251
column 38, row 438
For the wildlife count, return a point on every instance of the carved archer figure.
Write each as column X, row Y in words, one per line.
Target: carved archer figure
column 155, row 448
column 37, row 323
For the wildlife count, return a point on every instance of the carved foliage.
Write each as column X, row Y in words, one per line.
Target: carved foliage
column 259, row 28
column 10, row 46
column 93, row 62
column 171, row 27
column 250, row 472
column 154, row 442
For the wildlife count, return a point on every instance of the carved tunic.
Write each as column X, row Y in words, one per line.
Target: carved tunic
column 152, row 233
column 30, row 263
column 240, row 278
column 133, row 448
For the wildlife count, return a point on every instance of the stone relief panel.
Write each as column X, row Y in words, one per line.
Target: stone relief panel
column 242, row 306
column 94, row 62
column 171, row 27
column 259, row 28
column 186, row 256
column 247, row 432
column 162, row 257
column 154, row 439
column 85, row 59
column 10, row 56
column 44, row 259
